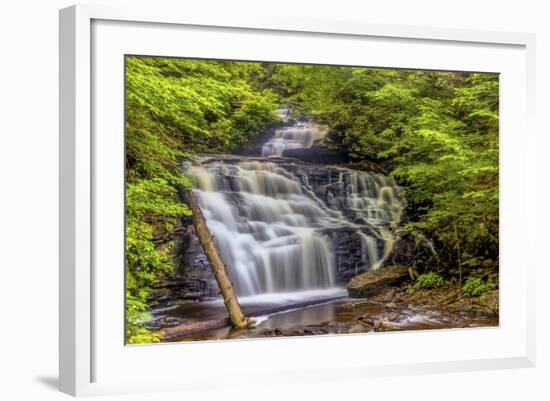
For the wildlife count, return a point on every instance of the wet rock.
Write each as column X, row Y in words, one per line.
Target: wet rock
column 305, row 331
column 383, row 325
column 388, row 296
column 272, row 333
column 490, row 302
column 359, row 328
column 163, row 322
column 350, row 260
column 374, row 281
column 409, row 251
column 366, row 320
column 254, row 146
column 397, row 298
column 317, row 155
column 192, row 279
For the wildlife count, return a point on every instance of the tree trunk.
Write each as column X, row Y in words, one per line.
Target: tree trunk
column 236, row 315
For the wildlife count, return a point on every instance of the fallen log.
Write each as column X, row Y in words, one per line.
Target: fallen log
column 206, row 239
column 186, row 329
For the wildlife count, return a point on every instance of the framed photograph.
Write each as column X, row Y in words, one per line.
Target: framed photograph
column 290, row 200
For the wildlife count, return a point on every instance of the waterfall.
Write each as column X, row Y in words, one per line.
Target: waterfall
column 265, row 226
column 300, row 135
column 283, row 225
column 284, row 114
column 272, row 221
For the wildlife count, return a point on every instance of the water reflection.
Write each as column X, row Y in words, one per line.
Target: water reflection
column 311, row 315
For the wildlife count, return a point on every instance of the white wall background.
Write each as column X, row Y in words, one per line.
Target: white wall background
column 29, row 186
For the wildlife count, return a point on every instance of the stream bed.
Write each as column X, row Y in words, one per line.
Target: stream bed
column 336, row 316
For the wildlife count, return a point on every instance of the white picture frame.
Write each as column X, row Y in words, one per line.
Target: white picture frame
column 94, row 360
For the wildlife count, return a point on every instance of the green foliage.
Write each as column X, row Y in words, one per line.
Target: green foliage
column 429, row 280
column 475, row 287
column 435, row 132
column 187, row 106
column 176, row 108
column 252, row 117
column 135, row 316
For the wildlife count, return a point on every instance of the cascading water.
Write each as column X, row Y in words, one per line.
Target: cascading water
column 277, row 221
column 265, row 226
column 300, row 135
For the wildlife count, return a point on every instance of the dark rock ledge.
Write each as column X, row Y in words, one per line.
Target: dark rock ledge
column 374, row 281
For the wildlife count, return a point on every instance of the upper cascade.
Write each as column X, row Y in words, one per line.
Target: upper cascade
column 298, row 136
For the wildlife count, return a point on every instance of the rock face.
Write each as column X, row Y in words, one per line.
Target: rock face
column 192, row 279
column 374, row 281
column 349, row 254
column 364, row 198
column 317, row 155
column 254, row 146
column 410, row 251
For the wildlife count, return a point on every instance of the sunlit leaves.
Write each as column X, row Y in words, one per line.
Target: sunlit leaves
column 436, row 132
column 175, row 109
